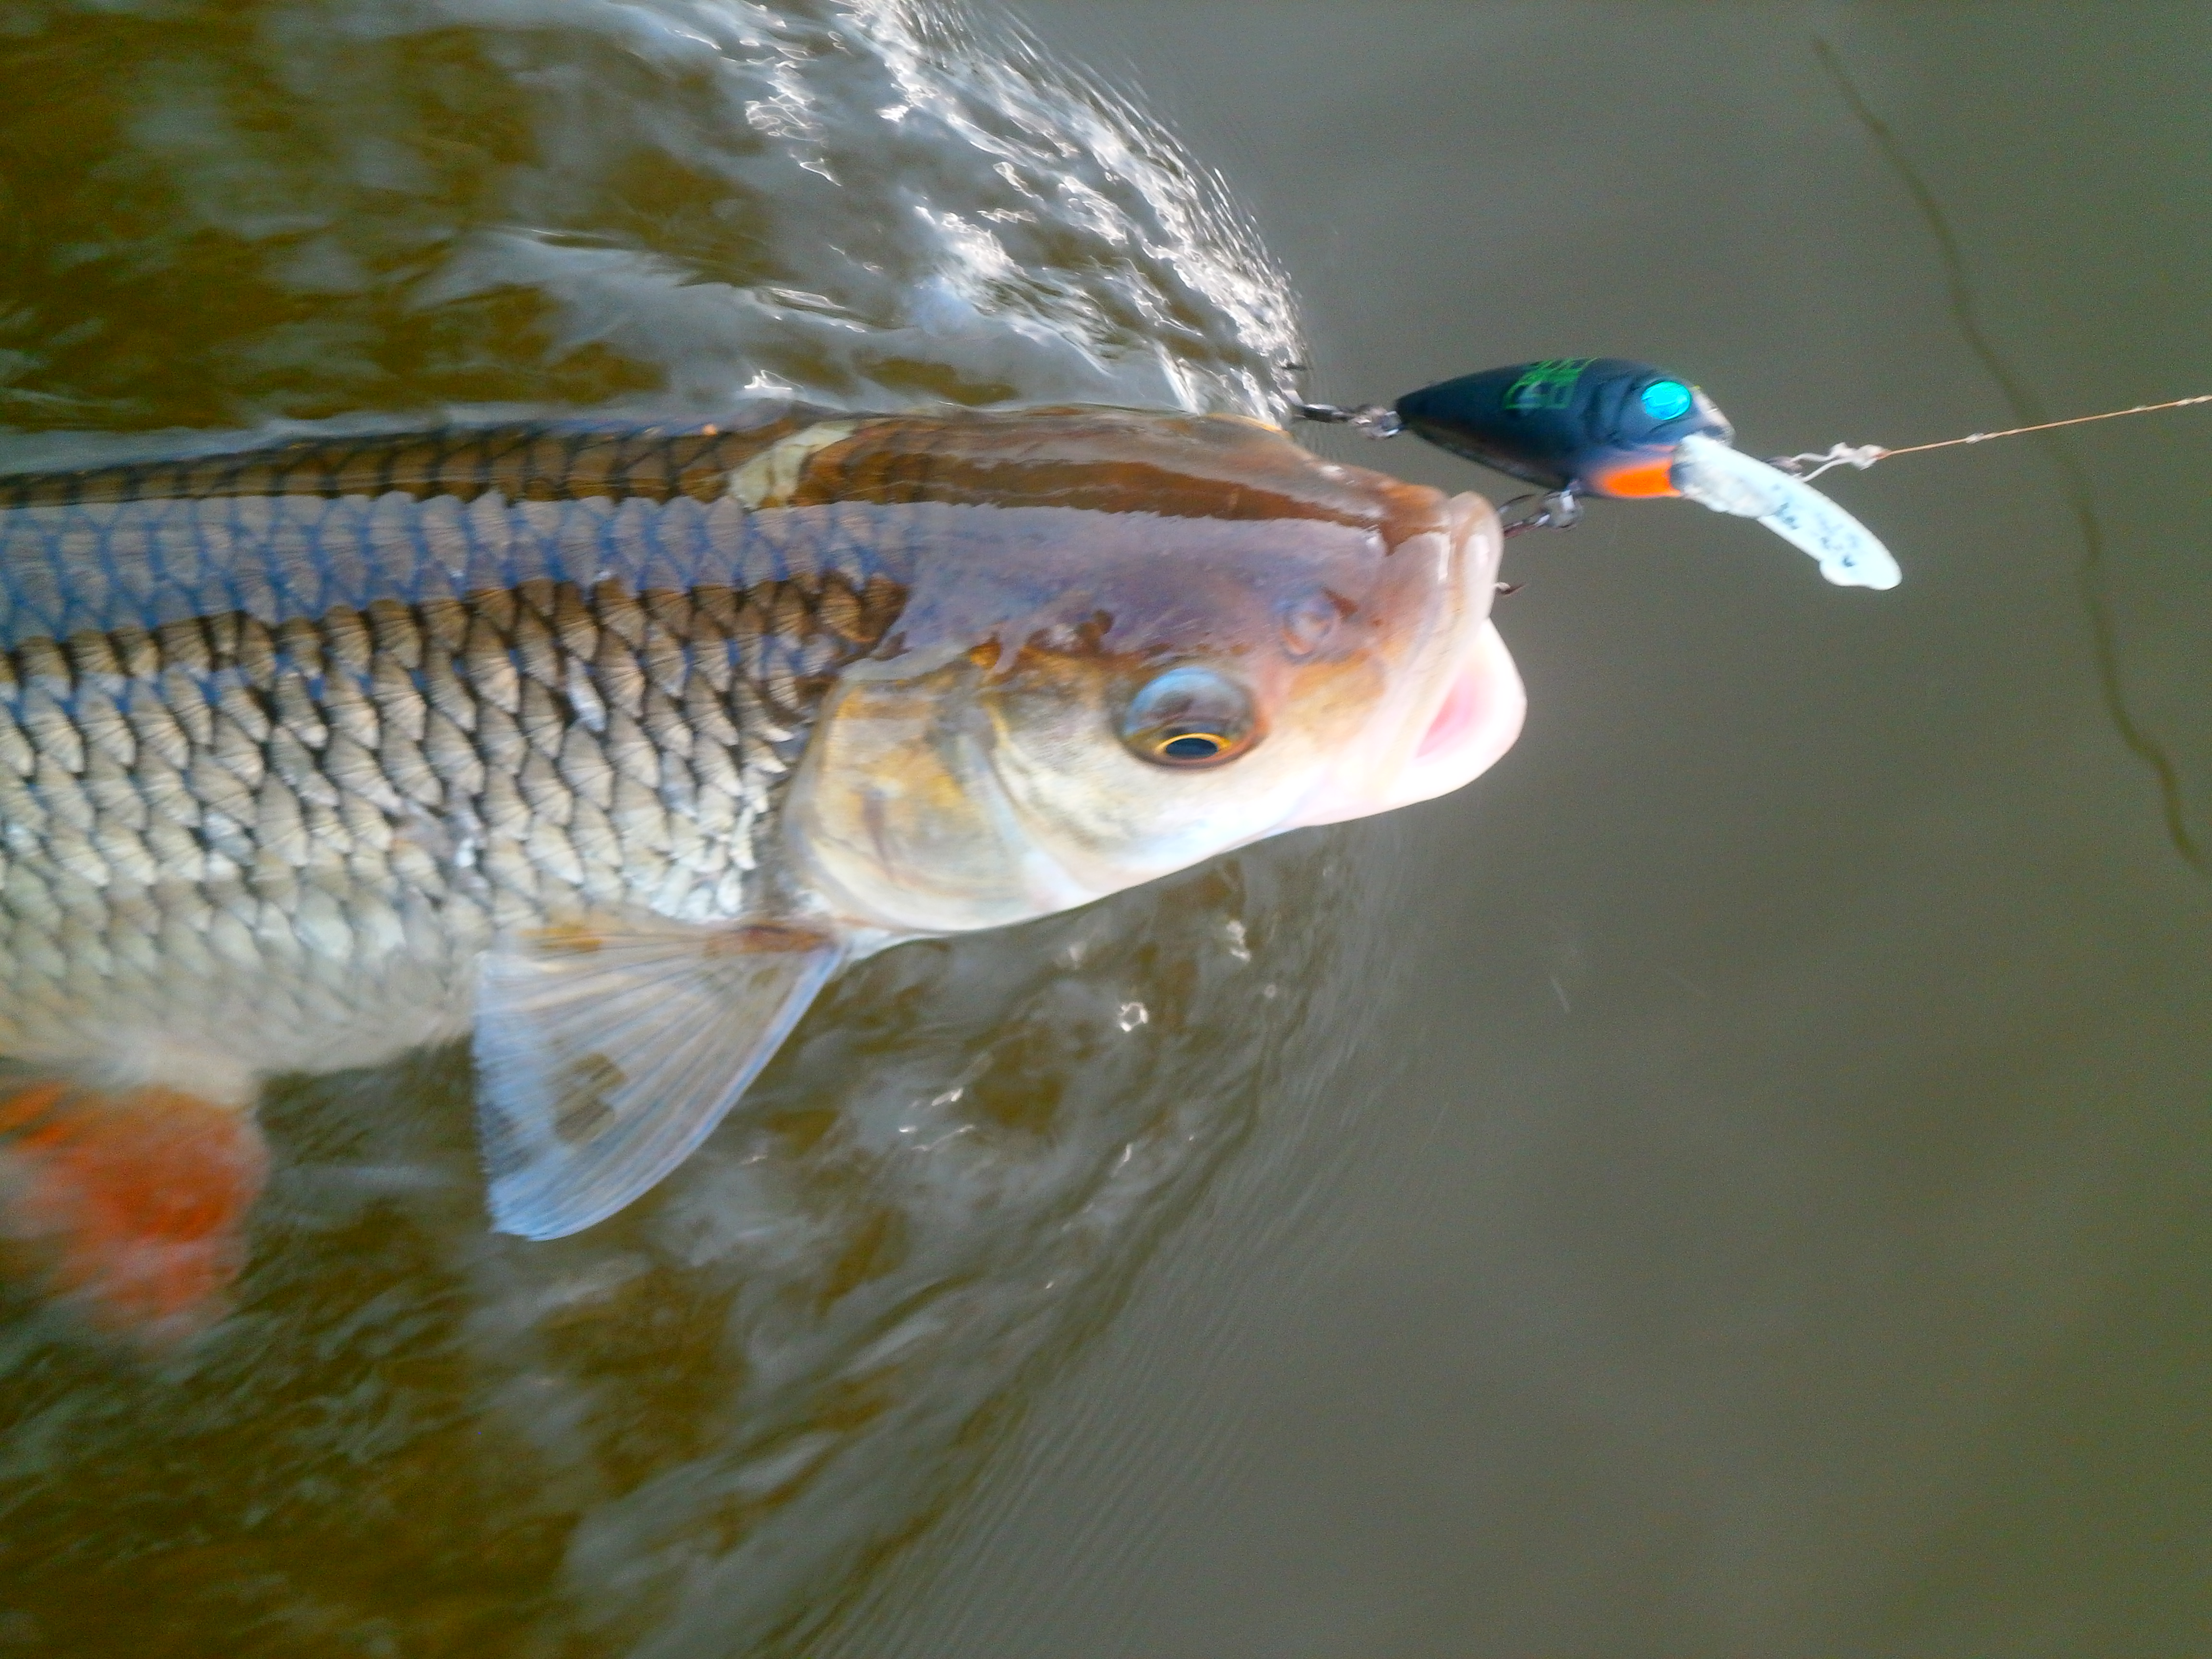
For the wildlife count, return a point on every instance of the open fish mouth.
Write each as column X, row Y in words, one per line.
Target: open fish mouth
column 1480, row 716
column 1468, row 703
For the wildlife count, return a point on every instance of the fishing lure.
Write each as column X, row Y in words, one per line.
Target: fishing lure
column 1623, row 430
column 1631, row 431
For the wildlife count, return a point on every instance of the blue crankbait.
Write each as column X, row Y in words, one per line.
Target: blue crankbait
column 1600, row 426
column 1626, row 431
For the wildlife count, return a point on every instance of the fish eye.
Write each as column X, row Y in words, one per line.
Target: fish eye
column 1190, row 716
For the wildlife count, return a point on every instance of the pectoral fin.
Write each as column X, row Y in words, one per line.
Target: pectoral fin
column 605, row 1052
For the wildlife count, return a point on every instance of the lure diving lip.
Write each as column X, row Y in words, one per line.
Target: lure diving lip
column 1623, row 430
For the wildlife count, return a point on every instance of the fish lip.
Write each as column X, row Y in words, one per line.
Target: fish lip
column 1482, row 704
column 1484, row 708
column 1471, row 704
column 1455, row 716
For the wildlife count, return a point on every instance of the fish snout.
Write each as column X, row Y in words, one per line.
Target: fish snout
column 1461, row 703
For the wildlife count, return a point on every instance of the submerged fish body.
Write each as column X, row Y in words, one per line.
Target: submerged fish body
column 612, row 747
column 291, row 739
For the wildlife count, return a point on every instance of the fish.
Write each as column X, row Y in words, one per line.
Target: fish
column 605, row 749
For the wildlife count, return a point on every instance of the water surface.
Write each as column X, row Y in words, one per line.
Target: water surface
column 1733, row 1183
column 1773, row 1218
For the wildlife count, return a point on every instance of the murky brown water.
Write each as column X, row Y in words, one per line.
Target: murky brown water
column 1734, row 1182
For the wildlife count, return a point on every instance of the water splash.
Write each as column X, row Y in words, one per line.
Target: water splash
column 414, row 206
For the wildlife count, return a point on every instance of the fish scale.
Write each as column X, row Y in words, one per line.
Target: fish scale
column 323, row 722
column 314, row 755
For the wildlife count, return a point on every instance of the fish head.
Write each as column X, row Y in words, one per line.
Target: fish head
column 1152, row 639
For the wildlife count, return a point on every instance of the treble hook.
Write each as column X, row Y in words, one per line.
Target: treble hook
column 1369, row 420
column 1559, row 509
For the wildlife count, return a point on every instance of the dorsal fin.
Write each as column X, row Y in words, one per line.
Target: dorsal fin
column 607, row 1050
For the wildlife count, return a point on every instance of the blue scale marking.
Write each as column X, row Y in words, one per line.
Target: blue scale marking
column 223, row 571
column 104, row 547
column 68, row 567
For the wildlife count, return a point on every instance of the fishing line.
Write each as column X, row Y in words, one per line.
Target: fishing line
column 1582, row 429
column 2075, row 485
column 1865, row 455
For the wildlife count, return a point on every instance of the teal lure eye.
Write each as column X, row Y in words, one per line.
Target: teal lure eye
column 1663, row 400
column 1190, row 716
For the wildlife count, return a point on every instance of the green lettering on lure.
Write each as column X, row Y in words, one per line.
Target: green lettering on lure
column 1547, row 384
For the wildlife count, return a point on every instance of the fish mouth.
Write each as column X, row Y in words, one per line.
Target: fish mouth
column 1478, row 720
column 1455, row 717
column 1473, row 704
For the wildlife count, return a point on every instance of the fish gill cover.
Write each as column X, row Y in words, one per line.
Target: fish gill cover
column 674, row 1434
